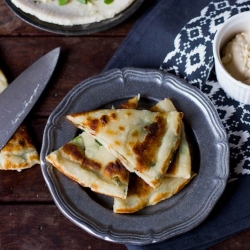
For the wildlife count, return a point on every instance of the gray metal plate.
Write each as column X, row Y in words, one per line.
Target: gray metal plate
column 174, row 216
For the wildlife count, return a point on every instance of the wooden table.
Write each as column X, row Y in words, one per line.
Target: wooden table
column 29, row 219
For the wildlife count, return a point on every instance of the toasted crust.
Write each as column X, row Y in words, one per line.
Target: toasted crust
column 178, row 175
column 87, row 162
column 141, row 195
column 142, row 140
column 19, row 153
column 181, row 164
column 130, row 103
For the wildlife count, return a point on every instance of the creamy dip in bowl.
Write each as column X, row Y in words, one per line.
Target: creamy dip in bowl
column 231, row 50
column 236, row 57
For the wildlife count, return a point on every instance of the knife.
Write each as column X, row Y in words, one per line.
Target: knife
column 20, row 96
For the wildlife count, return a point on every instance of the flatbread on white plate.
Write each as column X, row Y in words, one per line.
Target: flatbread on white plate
column 74, row 12
column 181, row 164
column 90, row 164
column 19, row 153
column 144, row 141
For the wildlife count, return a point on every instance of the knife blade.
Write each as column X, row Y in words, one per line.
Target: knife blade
column 19, row 97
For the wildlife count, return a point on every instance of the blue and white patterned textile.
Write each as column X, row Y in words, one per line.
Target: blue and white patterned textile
column 192, row 59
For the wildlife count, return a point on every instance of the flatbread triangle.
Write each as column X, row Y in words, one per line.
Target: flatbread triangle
column 181, row 164
column 179, row 174
column 144, row 141
column 128, row 197
column 140, row 194
column 90, row 164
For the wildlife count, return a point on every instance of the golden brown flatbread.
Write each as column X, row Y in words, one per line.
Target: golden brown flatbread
column 87, row 162
column 90, row 164
column 140, row 194
column 19, row 153
column 95, row 165
column 144, row 141
column 181, row 164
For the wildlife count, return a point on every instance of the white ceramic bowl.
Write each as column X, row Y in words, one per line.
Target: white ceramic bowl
column 233, row 26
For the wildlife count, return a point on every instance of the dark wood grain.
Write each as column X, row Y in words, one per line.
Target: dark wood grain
column 238, row 242
column 33, row 227
column 29, row 219
column 81, row 58
column 26, row 186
